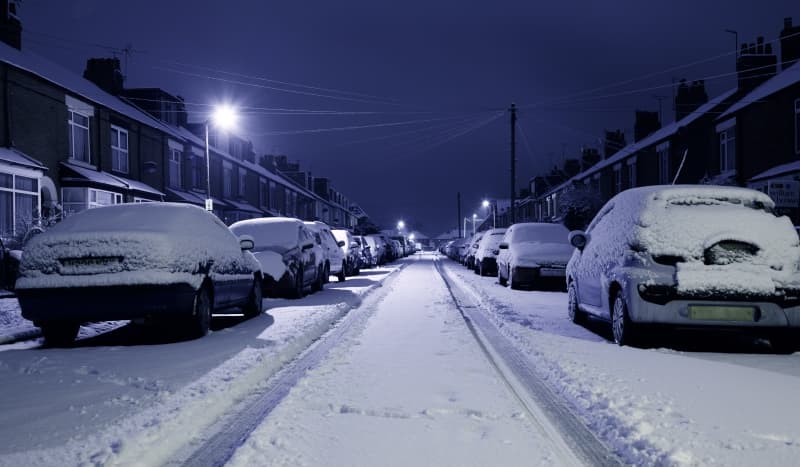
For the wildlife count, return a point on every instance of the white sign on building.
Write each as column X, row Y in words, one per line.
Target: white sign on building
column 785, row 193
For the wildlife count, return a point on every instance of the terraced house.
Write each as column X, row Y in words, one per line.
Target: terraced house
column 71, row 142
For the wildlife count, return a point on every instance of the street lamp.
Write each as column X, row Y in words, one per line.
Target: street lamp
column 487, row 204
column 474, row 216
column 223, row 117
column 401, row 225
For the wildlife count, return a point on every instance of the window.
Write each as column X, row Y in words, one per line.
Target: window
column 119, row 149
column 175, row 168
column 263, row 193
column 726, row 132
column 797, row 126
column 662, row 150
column 19, row 202
column 78, row 199
column 78, row 125
column 196, row 168
column 227, row 179
column 632, row 173
column 242, row 181
column 727, row 150
column 617, row 178
column 274, row 193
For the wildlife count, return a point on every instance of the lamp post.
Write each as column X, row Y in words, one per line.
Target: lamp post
column 474, row 216
column 487, row 204
column 223, row 117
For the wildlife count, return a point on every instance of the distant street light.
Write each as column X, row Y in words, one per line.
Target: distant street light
column 486, row 204
column 401, row 225
column 223, row 117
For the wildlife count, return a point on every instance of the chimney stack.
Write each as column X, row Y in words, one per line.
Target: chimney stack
column 10, row 25
column 790, row 44
column 755, row 65
column 615, row 140
column 105, row 73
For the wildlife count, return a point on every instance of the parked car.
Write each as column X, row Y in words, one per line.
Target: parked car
column 469, row 256
column 694, row 256
column 486, row 254
column 366, row 259
column 351, row 250
column 334, row 258
column 163, row 261
column 532, row 253
column 377, row 249
column 285, row 250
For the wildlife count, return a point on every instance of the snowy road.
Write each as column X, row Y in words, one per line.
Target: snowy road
column 371, row 375
column 409, row 386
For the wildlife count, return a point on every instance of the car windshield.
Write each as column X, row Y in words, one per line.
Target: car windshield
column 545, row 233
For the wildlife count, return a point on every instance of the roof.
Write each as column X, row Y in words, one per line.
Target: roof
column 17, row 157
column 777, row 170
column 77, row 85
column 241, row 206
column 655, row 137
column 777, row 83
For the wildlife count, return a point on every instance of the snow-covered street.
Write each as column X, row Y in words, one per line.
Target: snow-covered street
column 400, row 377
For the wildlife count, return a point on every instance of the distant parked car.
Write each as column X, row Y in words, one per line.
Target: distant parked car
column 284, row 248
column 694, row 256
column 469, row 257
column 532, row 253
column 164, row 261
column 486, row 254
column 332, row 247
column 351, row 250
column 377, row 249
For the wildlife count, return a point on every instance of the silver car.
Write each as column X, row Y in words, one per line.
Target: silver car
column 688, row 256
column 532, row 253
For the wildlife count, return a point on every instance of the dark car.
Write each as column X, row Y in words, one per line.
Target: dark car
column 160, row 261
column 284, row 248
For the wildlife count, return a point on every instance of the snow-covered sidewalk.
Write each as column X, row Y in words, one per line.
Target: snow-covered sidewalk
column 409, row 387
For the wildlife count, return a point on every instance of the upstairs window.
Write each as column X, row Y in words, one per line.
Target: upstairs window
column 663, row 164
column 227, row 179
column 175, row 168
column 632, row 173
column 78, row 126
column 196, row 170
column 727, row 150
column 119, row 149
column 242, row 182
column 617, row 178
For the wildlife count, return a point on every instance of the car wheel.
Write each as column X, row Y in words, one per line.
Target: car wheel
column 502, row 280
column 202, row 308
column 59, row 334
column 319, row 282
column 326, row 276
column 511, row 283
column 255, row 303
column 341, row 277
column 623, row 329
column 575, row 314
column 297, row 291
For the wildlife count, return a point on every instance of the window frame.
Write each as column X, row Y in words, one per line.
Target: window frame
column 117, row 151
column 14, row 192
column 662, row 152
column 71, row 127
column 175, row 162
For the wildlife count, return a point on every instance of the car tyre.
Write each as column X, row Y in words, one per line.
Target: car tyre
column 574, row 312
column 511, row 283
column 59, row 334
column 319, row 282
column 341, row 277
column 297, row 291
column 502, row 280
column 202, row 309
column 255, row 302
column 623, row 329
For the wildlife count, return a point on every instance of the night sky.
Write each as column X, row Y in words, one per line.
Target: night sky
column 414, row 91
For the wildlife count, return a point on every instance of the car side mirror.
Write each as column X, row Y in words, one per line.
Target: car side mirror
column 495, row 252
column 578, row 239
column 503, row 246
column 307, row 246
column 246, row 243
column 340, row 243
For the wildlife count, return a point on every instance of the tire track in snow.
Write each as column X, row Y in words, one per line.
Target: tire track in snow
column 217, row 448
column 573, row 440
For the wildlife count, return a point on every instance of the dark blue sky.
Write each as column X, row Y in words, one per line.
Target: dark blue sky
column 447, row 64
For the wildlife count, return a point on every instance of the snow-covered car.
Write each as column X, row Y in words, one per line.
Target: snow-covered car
column 379, row 248
column 486, row 254
column 334, row 258
column 532, row 253
column 285, row 250
column 474, row 242
column 158, row 261
column 351, row 250
column 688, row 256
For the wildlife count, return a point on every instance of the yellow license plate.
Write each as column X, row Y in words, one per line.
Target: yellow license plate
column 722, row 313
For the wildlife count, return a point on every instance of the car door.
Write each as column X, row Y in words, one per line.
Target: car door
column 589, row 267
column 502, row 256
column 309, row 256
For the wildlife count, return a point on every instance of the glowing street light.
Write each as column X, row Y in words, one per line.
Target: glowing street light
column 411, row 237
column 225, row 118
column 486, row 203
column 401, row 225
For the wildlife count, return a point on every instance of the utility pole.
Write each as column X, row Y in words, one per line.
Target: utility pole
column 458, row 198
column 513, row 111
